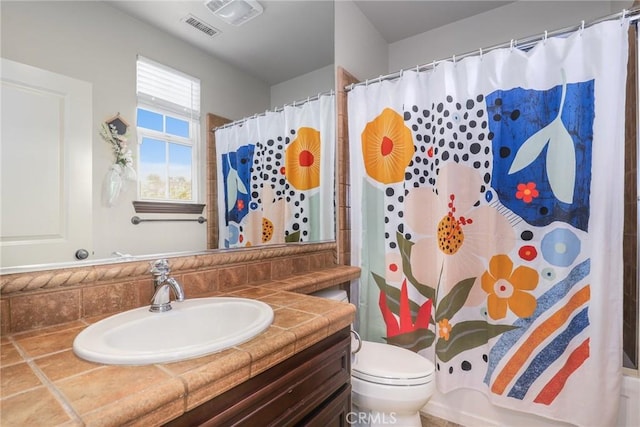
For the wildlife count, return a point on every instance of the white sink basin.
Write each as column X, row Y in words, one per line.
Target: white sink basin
column 193, row 328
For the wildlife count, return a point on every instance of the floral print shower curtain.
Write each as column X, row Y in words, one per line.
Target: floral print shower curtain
column 276, row 176
column 491, row 194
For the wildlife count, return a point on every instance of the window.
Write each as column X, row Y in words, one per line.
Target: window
column 168, row 131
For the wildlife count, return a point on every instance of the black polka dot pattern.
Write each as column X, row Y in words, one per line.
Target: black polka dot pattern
column 451, row 130
column 269, row 169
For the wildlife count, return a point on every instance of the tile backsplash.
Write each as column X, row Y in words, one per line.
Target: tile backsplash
column 46, row 298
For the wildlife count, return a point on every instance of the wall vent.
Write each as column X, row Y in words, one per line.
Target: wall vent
column 199, row 25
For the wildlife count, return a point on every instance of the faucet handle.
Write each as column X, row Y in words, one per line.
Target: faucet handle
column 160, row 267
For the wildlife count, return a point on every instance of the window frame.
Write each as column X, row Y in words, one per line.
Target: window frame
column 193, row 142
column 181, row 101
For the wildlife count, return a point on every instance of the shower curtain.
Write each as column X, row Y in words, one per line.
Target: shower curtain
column 276, row 176
column 491, row 194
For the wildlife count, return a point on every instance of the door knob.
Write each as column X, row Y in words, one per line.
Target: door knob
column 82, row 254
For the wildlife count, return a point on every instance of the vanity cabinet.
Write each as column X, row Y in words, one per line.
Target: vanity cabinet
column 311, row 388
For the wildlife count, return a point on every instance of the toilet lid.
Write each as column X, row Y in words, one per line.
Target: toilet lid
column 388, row 364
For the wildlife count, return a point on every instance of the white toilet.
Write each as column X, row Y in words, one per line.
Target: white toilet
column 389, row 384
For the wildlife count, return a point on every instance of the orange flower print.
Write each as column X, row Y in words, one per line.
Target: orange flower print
column 302, row 160
column 387, row 147
column 240, row 204
column 506, row 288
column 444, row 329
column 527, row 192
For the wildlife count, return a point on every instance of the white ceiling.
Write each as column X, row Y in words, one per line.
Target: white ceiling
column 294, row 37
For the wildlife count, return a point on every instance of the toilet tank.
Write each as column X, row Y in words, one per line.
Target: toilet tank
column 335, row 294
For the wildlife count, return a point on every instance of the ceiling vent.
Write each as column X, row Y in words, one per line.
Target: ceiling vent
column 200, row 26
column 234, row 12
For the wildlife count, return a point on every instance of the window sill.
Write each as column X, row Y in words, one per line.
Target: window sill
column 168, row 207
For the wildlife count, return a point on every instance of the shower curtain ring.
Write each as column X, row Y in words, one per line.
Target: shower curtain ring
column 545, row 37
column 511, row 46
column 624, row 15
column 582, row 27
column 480, row 54
column 454, row 59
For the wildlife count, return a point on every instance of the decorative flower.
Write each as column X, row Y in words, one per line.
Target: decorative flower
column 406, row 324
column 302, row 160
column 548, row 273
column 240, row 204
column 387, row 147
column 393, row 272
column 506, row 288
column 560, row 247
column 527, row 192
column 444, row 329
column 265, row 225
column 118, row 142
column 458, row 230
column 528, row 253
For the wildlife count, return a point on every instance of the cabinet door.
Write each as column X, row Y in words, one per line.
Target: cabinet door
column 289, row 394
column 333, row 413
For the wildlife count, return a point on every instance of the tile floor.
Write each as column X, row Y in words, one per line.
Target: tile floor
column 431, row 421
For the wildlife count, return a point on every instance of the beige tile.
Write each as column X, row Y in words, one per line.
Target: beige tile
column 46, row 309
column 310, row 332
column 17, row 378
column 200, row 283
column 33, row 408
column 51, row 329
column 160, row 416
column 431, row 421
column 287, row 318
column 281, row 268
column 164, row 400
column 252, row 293
column 340, row 318
column 232, row 277
column 179, row 368
column 259, row 271
column 269, row 348
column 49, row 343
column 316, row 305
column 9, row 354
column 111, row 298
column 101, row 387
column 64, row 364
column 213, row 379
column 282, row 299
column 5, row 318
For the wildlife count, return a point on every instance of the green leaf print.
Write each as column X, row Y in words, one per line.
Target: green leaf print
column 454, row 301
column 405, row 252
column 467, row 335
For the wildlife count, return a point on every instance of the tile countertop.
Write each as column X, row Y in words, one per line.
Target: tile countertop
column 43, row 383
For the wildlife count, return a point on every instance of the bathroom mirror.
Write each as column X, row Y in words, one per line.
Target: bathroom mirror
column 283, row 55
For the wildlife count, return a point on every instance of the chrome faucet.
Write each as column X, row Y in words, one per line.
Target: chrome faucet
column 162, row 285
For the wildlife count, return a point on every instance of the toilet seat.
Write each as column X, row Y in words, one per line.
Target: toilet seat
column 390, row 365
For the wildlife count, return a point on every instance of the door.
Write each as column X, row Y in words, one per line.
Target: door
column 45, row 170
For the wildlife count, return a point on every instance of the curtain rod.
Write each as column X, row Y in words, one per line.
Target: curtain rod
column 276, row 110
column 632, row 14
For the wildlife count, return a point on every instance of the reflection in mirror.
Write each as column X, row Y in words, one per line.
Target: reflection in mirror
column 97, row 44
column 276, row 176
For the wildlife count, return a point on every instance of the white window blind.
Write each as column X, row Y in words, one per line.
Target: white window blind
column 170, row 89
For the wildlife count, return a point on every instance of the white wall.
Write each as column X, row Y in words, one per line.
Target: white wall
column 94, row 42
column 301, row 87
column 359, row 50
column 513, row 21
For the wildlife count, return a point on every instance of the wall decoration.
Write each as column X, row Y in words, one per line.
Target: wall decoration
column 115, row 132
